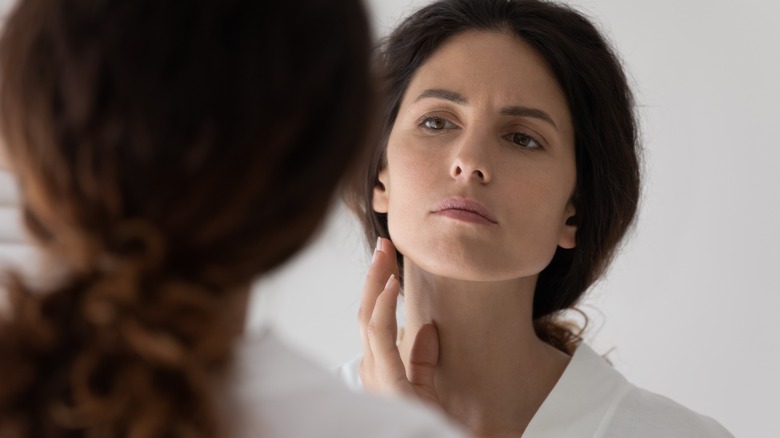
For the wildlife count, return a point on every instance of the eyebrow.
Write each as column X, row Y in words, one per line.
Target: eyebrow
column 524, row 111
column 517, row 111
column 439, row 93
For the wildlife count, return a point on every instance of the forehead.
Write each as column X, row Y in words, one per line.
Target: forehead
column 492, row 68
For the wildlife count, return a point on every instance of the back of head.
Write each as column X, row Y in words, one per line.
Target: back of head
column 167, row 153
column 602, row 112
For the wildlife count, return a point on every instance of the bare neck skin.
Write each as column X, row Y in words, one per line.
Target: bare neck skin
column 493, row 372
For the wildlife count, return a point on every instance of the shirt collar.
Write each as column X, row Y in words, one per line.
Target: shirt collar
column 585, row 395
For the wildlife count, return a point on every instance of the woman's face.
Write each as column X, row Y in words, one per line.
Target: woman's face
column 480, row 162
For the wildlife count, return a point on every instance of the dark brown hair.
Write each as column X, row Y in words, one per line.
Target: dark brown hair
column 605, row 128
column 167, row 153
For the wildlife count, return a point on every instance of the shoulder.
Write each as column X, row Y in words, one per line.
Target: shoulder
column 644, row 413
column 277, row 392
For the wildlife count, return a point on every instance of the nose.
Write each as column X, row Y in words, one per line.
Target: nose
column 471, row 161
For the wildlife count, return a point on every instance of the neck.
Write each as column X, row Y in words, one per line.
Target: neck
column 493, row 371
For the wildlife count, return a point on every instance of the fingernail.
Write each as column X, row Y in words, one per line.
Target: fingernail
column 380, row 244
column 389, row 281
column 376, row 250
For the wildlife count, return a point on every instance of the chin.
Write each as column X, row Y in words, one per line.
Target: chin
column 471, row 267
column 471, row 258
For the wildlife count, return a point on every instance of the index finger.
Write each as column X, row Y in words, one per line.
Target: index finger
column 382, row 265
column 389, row 248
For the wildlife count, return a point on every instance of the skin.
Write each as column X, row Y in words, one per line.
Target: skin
column 482, row 120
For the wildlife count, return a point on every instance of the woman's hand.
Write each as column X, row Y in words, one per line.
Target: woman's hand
column 382, row 370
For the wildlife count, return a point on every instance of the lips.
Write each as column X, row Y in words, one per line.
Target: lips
column 465, row 209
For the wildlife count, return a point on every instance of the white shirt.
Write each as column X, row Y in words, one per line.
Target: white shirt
column 275, row 392
column 592, row 399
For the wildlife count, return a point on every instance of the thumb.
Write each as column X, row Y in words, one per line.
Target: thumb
column 423, row 360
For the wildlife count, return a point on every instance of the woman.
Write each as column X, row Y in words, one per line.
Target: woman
column 507, row 178
column 166, row 156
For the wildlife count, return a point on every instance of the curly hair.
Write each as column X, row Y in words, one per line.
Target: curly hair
column 605, row 128
column 167, row 153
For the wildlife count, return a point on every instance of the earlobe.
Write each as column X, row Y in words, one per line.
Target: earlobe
column 381, row 197
column 568, row 236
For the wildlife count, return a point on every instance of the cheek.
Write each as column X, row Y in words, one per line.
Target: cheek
column 411, row 174
column 408, row 160
column 537, row 214
column 411, row 191
column 406, row 203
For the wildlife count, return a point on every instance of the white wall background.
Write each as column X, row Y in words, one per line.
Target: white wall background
column 690, row 308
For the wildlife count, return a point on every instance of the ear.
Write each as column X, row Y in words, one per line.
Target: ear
column 381, row 195
column 568, row 237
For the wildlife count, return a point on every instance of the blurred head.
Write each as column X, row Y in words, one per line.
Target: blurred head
column 222, row 125
column 167, row 154
column 580, row 223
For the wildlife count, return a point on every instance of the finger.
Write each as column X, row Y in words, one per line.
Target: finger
column 383, row 327
column 388, row 248
column 423, row 360
column 378, row 273
column 382, row 333
column 383, row 263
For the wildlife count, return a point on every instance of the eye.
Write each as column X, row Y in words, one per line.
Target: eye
column 436, row 123
column 525, row 141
